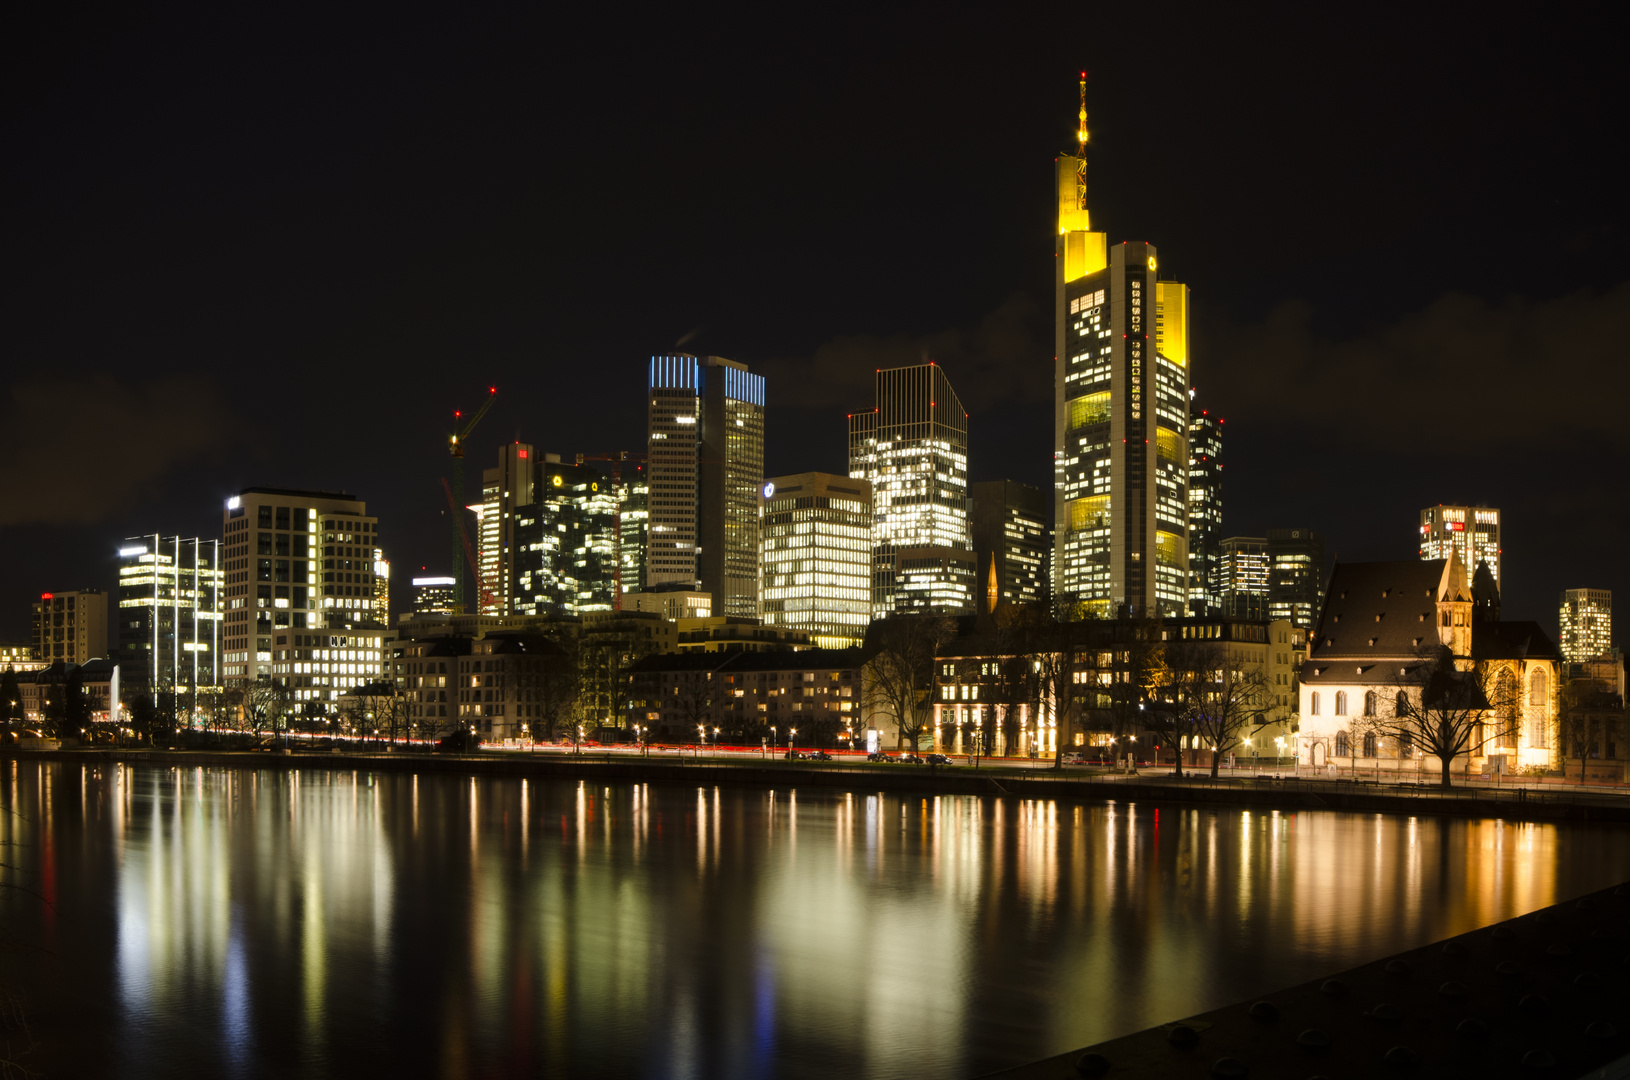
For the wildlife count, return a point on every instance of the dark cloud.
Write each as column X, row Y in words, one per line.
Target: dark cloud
column 1460, row 376
column 79, row 452
column 1006, row 357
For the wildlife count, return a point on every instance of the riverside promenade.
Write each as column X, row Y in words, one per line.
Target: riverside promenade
column 1543, row 995
column 991, row 778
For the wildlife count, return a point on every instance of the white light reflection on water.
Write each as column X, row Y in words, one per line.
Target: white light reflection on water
column 213, row 923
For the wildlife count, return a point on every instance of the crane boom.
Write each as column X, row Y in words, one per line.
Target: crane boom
column 455, row 447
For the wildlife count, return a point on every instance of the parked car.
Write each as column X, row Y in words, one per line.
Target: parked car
column 816, row 755
column 878, row 755
column 938, row 759
column 909, row 759
column 1075, row 759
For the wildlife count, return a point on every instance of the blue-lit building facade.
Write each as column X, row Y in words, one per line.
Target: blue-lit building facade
column 705, row 468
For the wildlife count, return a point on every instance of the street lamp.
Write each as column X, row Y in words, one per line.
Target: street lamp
column 1279, row 753
column 792, row 734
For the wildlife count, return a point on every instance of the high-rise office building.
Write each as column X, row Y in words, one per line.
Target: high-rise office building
column 550, row 535
column 1009, row 529
column 1121, row 422
column 1587, row 624
column 71, row 626
column 1295, row 576
column 626, row 471
column 1471, row 531
column 912, row 446
column 1205, row 512
column 296, row 561
column 433, row 595
column 817, row 557
column 170, row 632
column 1242, row 573
column 382, row 588
column 706, row 466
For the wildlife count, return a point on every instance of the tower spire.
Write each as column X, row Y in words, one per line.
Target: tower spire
column 1081, row 151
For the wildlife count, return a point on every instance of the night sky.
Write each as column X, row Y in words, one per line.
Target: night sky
column 275, row 245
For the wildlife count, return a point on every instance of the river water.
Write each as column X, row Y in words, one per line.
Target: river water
column 200, row 922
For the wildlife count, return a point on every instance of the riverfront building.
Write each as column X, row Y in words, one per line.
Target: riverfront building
column 295, row 563
column 809, row 699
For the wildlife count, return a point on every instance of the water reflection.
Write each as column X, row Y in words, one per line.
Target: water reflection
column 328, row 923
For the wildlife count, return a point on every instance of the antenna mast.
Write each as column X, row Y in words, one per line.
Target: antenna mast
column 1081, row 151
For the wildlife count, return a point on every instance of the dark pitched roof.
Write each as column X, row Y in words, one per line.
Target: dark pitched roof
column 1378, row 610
column 530, row 644
column 1517, row 640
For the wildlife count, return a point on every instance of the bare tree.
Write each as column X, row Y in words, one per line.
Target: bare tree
column 266, row 705
column 1216, row 696
column 557, row 687
column 1440, row 710
column 693, row 698
column 1587, row 713
column 899, row 676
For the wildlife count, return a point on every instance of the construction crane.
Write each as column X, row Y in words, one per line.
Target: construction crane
column 487, row 598
column 461, row 542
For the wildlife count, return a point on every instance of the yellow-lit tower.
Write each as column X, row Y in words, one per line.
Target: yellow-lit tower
column 1120, row 466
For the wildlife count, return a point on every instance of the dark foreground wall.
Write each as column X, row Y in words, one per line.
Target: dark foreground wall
column 1509, row 805
column 1545, row 995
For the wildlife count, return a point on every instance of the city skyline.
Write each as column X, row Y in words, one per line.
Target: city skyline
column 1266, row 315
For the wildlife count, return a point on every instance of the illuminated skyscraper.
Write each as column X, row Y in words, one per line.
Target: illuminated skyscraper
column 1205, row 512
column 1121, row 422
column 1010, row 538
column 817, row 560
column 706, row 466
column 170, row 613
column 432, row 596
column 549, row 535
column 913, row 448
column 1242, row 573
column 1473, row 531
column 298, row 561
column 1587, row 624
column 1295, row 576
